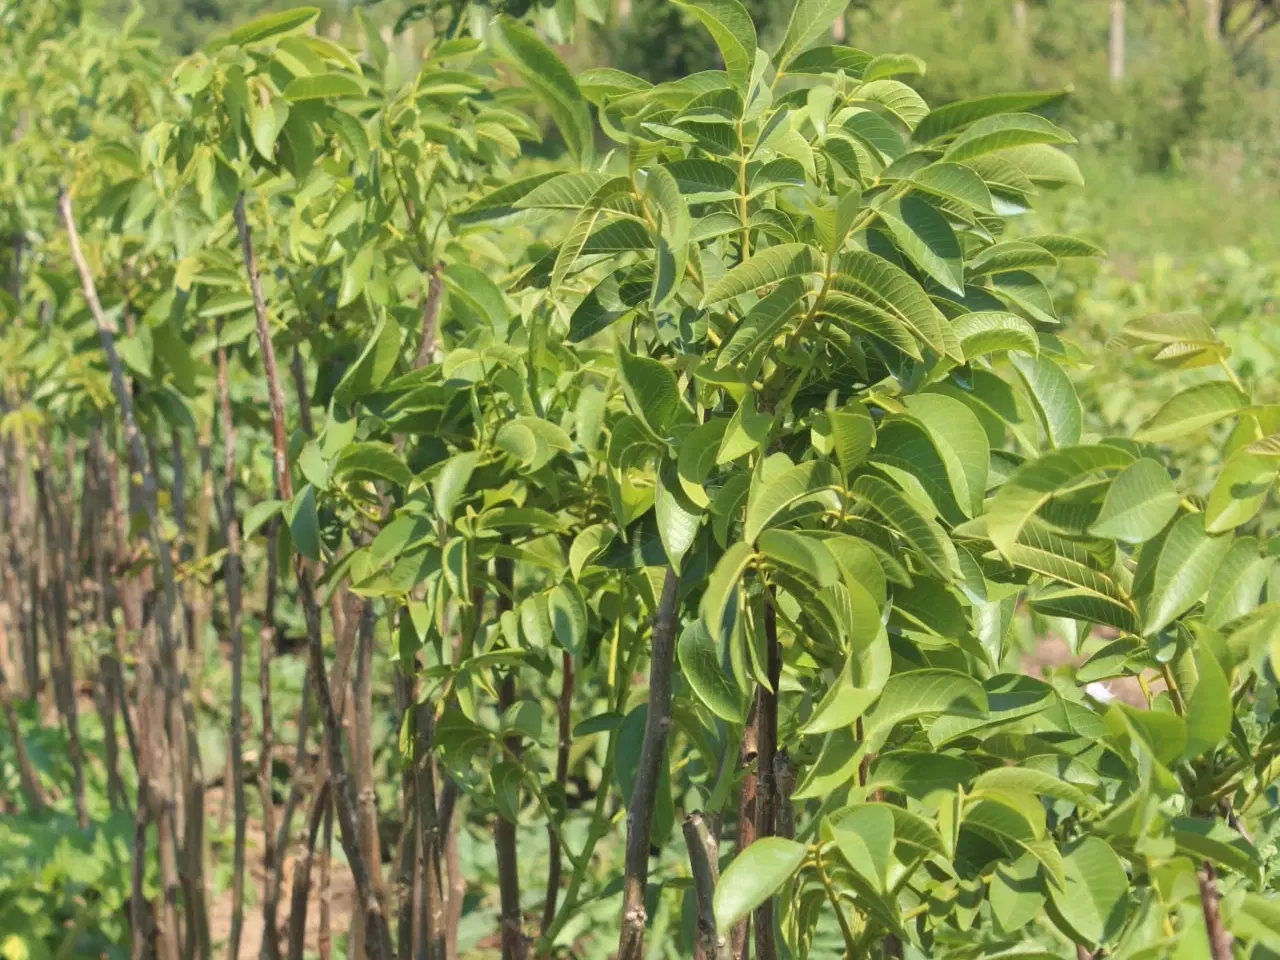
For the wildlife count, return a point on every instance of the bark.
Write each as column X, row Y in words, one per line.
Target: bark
column 514, row 945
column 302, row 884
column 652, row 751
column 704, row 862
column 27, row 775
column 746, row 818
column 232, row 577
column 565, row 741
column 57, row 630
column 324, row 937
column 362, row 744
column 273, row 852
column 767, row 749
column 1219, row 939
column 166, row 601
column 430, row 318
column 433, row 928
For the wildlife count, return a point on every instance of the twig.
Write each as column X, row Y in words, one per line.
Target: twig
column 704, row 861
column 565, row 741
column 767, row 748
column 514, row 944
column 640, row 813
column 1219, row 938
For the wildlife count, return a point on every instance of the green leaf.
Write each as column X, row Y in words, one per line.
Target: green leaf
column 764, row 268
column 1237, row 584
column 704, row 671
column 1003, row 131
column 304, row 522
column 1216, row 841
column 257, row 515
column 1094, row 899
column 1191, row 410
column 723, row 581
column 274, row 25
column 1139, row 503
column 651, row 390
column 568, row 611
column 919, row 774
column 327, row 86
column 955, row 182
column 864, row 836
column 993, row 332
column 768, row 498
column 374, row 364
column 1240, row 491
column 810, row 19
column 734, row 32
column 672, row 249
column 547, row 76
column 678, row 519
column 925, row 236
column 889, row 287
column 800, row 553
column 921, row 533
column 929, row 692
column 1026, row 780
column 763, row 322
column 452, row 481
column 1054, row 397
column 1036, row 481
column 954, row 116
column 1209, row 713
column 1010, row 255
column 959, row 437
column 371, row 461
column 854, row 435
column 755, row 875
column 1188, row 560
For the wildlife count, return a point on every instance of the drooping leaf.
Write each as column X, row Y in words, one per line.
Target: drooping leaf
column 755, row 875
column 1193, row 409
column 1139, row 503
column 1188, row 560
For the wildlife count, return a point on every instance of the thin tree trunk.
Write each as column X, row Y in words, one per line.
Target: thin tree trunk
column 27, row 775
column 166, row 600
column 324, row 937
column 302, row 884
column 640, row 812
column 57, row 629
column 1219, row 939
column 766, row 750
column 746, row 817
column 380, row 942
column 274, row 851
column 563, row 743
column 433, row 932
column 232, row 578
column 362, row 744
column 514, row 945
column 430, row 318
column 704, row 863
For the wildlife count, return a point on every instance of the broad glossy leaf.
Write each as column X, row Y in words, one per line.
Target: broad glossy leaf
column 755, row 875
column 921, row 533
column 651, row 389
column 678, row 518
column 544, row 72
column 1240, row 491
column 801, row 553
column 1054, row 397
column 1036, row 481
column 329, row 86
column 994, row 332
column 854, row 435
column 1003, row 131
column 1094, row 900
column 955, row 182
column 809, row 20
column 734, row 32
column 928, row 692
column 274, row 25
column 763, row 322
column 889, row 287
column 960, row 439
column 672, row 251
column 1237, row 583
column 770, row 497
column 766, row 267
column 371, row 461
column 1193, row 409
column 704, row 671
column 1188, row 560
column 1139, row 504
column 567, row 609
column 955, row 116
column 1209, row 712
column 925, row 236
